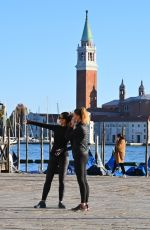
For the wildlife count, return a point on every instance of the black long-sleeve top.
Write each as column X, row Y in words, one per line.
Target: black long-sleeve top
column 79, row 139
column 60, row 141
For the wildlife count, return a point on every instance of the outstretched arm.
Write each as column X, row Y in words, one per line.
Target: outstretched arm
column 43, row 125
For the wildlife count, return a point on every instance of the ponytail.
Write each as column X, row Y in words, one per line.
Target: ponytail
column 84, row 115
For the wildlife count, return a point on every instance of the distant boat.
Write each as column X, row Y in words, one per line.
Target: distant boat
column 32, row 140
column 135, row 144
column 13, row 140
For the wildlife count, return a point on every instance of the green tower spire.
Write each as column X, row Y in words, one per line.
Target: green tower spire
column 87, row 34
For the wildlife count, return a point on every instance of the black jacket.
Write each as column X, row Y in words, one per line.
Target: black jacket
column 60, row 141
column 79, row 139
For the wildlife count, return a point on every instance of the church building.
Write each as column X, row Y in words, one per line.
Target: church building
column 119, row 111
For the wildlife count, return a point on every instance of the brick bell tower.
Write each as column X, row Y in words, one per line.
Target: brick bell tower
column 86, row 88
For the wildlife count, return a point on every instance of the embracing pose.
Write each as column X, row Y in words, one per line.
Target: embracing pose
column 78, row 135
column 58, row 159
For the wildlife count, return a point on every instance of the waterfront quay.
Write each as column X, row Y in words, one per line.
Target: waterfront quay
column 115, row 203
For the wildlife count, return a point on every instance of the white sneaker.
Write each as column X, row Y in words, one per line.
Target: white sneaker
column 124, row 176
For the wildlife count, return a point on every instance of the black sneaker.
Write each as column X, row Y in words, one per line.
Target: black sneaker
column 41, row 204
column 61, row 205
column 80, row 208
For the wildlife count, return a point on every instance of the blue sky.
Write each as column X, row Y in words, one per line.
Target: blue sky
column 38, row 42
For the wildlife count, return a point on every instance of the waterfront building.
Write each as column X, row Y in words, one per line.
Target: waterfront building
column 134, row 129
column 132, row 106
column 128, row 112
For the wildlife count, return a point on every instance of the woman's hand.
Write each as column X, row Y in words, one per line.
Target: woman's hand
column 26, row 122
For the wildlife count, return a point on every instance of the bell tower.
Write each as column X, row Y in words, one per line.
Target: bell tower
column 122, row 91
column 122, row 95
column 86, row 88
column 141, row 89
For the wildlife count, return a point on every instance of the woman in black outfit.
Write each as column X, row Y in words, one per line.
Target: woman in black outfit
column 78, row 135
column 58, row 159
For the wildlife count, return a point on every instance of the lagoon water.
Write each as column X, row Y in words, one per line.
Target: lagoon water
column 133, row 154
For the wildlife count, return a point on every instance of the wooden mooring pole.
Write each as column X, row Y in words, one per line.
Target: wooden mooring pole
column 96, row 149
column 8, row 151
column 103, row 144
column 123, row 131
column 147, row 150
column 18, row 147
column 4, row 134
column 42, row 152
column 26, row 148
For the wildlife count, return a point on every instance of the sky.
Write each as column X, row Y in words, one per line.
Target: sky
column 38, row 43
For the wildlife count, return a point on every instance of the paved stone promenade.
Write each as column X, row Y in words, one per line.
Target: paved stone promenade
column 116, row 203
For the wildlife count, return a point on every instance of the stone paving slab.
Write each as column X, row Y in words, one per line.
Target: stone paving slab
column 116, row 203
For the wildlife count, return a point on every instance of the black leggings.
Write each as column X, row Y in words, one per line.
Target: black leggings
column 80, row 169
column 55, row 164
column 121, row 166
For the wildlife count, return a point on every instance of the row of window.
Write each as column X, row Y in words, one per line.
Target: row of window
column 125, row 125
column 91, row 56
column 133, row 130
column 135, row 138
column 139, row 125
column 115, row 125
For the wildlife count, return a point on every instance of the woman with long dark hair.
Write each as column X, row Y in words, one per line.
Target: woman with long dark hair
column 58, row 158
column 78, row 135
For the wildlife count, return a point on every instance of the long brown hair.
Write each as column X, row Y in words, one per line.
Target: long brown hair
column 84, row 115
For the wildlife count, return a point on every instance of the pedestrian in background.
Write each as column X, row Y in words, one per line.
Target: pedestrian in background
column 120, row 150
